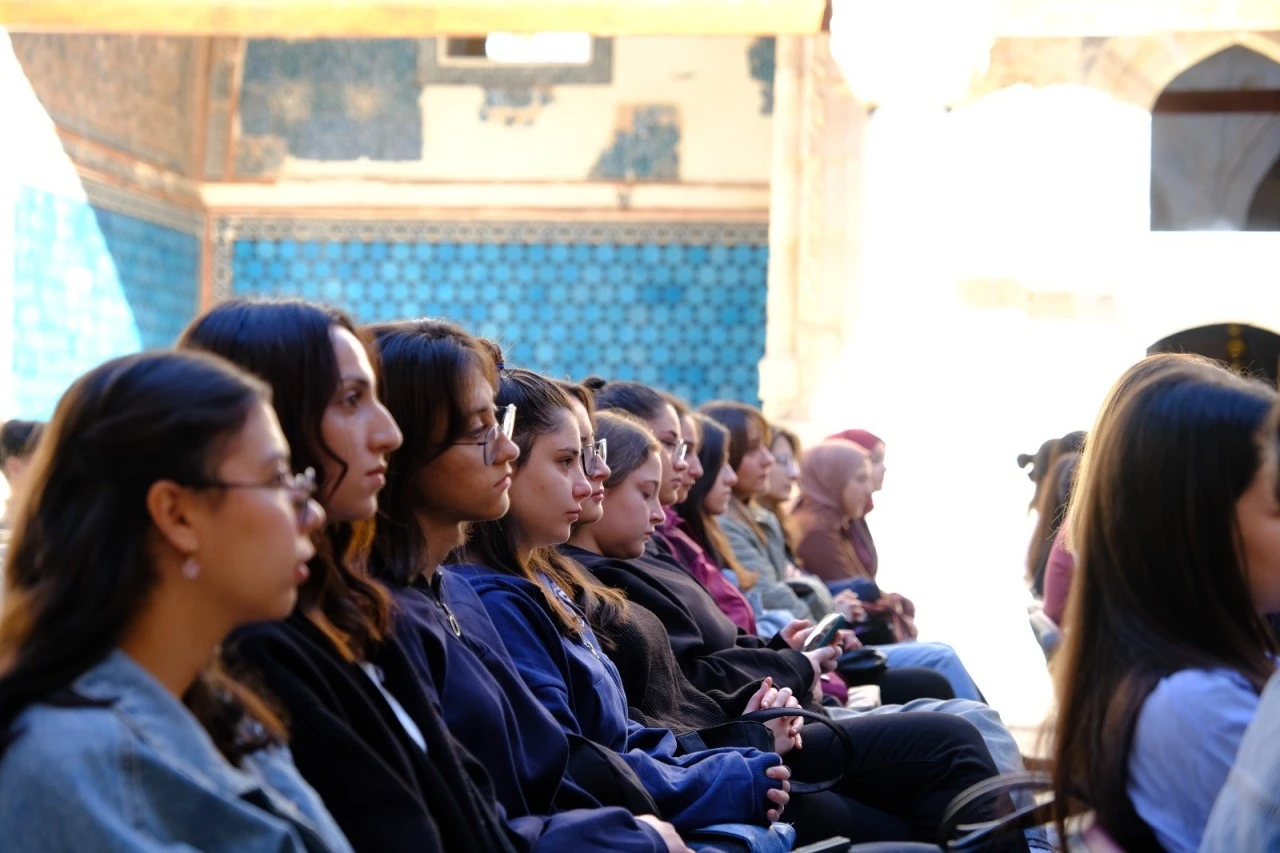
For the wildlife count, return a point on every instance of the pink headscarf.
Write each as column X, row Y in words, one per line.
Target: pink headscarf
column 825, row 471
column 866, row 440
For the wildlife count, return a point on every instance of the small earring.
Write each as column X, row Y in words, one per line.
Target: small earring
column 191, row 569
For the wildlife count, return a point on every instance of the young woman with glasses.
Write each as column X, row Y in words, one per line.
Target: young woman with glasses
column 163, row 513
column 547, row 604
column 671, row 541
column 364, row 730
column 456, row 469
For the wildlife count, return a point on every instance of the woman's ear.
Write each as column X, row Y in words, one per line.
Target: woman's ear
column 170, row 506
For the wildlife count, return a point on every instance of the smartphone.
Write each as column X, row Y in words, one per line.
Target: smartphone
column 825, row 631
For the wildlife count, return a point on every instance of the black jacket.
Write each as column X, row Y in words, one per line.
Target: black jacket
column 386, row 793
column 713, row 653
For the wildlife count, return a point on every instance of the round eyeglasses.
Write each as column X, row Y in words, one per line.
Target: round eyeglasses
column 595, row 457
column 504, row 425
column 301, row 487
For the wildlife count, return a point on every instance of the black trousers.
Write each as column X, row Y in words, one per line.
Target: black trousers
column 900, row 686
column 904, row 771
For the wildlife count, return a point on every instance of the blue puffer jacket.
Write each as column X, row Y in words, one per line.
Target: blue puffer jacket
column 582, row 689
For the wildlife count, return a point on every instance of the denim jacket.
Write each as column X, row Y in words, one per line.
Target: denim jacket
column 142, row 774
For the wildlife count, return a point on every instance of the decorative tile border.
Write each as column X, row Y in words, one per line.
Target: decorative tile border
column 146, row 208
column 227, row 230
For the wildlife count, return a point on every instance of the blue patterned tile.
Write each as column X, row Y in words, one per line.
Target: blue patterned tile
column 90, row 284
column 685, row 315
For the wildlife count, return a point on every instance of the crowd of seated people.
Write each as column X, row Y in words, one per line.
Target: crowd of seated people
column 298, row 585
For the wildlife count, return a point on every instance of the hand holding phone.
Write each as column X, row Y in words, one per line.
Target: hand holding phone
column 824, row 633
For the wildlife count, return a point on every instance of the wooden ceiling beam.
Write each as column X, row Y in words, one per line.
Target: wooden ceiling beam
column 363, row 18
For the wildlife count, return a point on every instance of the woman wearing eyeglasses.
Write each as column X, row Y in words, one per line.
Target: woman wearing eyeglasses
column 455, row 469
column 364, row 730
column 162, row 515
column 671, row 540
column 531, row 591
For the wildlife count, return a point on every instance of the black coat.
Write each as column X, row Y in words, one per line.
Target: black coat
column 386, row 793
column 712, row 652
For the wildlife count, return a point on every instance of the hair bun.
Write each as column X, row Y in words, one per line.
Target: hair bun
column 594, row 384
column 1025, row 459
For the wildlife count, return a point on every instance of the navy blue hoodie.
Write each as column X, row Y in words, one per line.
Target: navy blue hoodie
column 583, row 691
column 451, row 641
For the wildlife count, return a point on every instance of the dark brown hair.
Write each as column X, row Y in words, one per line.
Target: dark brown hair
column 1160, row 584
column 540, row 403
column 734, row 417
column 429, row 368
column 1050, row 513
column 78, row 569
column 631, row 443
column 289, row 344
column 18, row 439
column 704, row 528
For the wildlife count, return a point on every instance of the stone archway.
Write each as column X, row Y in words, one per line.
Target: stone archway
column 1215, row 135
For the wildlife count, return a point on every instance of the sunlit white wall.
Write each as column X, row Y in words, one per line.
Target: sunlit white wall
column 1008, row 278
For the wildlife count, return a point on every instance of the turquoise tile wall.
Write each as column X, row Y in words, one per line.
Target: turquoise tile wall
column 90, row 284
column 678, row 306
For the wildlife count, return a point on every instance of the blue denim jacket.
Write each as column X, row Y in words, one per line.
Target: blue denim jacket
column 143, row 775
column 1246, row 814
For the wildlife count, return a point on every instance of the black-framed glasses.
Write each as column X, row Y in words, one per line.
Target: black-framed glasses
column 595, row 457
column 301, row 487
column 504, row 425
column 678, row 449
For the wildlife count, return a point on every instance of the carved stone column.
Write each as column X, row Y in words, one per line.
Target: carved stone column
column 814, row 225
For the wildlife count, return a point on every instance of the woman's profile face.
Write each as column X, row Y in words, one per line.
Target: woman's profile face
column 254, row 538
column 785, row 472
column 359, row 430
column 1258, row 517
column 857, row 492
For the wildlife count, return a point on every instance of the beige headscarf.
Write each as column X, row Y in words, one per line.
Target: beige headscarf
column 825, row 471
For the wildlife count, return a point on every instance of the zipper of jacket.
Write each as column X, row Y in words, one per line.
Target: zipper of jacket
column 454, row 625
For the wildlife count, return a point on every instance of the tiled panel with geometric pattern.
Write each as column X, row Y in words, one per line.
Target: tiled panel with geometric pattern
column 678, row 305
column 90, row 284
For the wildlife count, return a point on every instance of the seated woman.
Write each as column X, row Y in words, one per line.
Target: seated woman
column 681, row 470
column 364, row 731
column 749, row 435
column 657, row 684
column 835, row 488
column 1176, row 528
column 455, row 469
column 163, row 513
column 530, row 590
column 1050, row 514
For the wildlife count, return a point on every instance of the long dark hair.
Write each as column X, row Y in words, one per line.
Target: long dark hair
column 540, row 402
column 1160, row 584
column 735, row 417
column 631, row 443
column 635, row 397
column 703, row 527
column 428, row 370
column 78, row 569
column 1050, row 514
column 289, row 344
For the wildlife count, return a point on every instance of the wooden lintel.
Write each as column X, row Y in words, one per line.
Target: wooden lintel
column 364, row 18
column 1266, row 101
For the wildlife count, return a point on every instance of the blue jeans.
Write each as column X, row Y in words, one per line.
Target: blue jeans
column 1000, row 743
column 936, row 656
